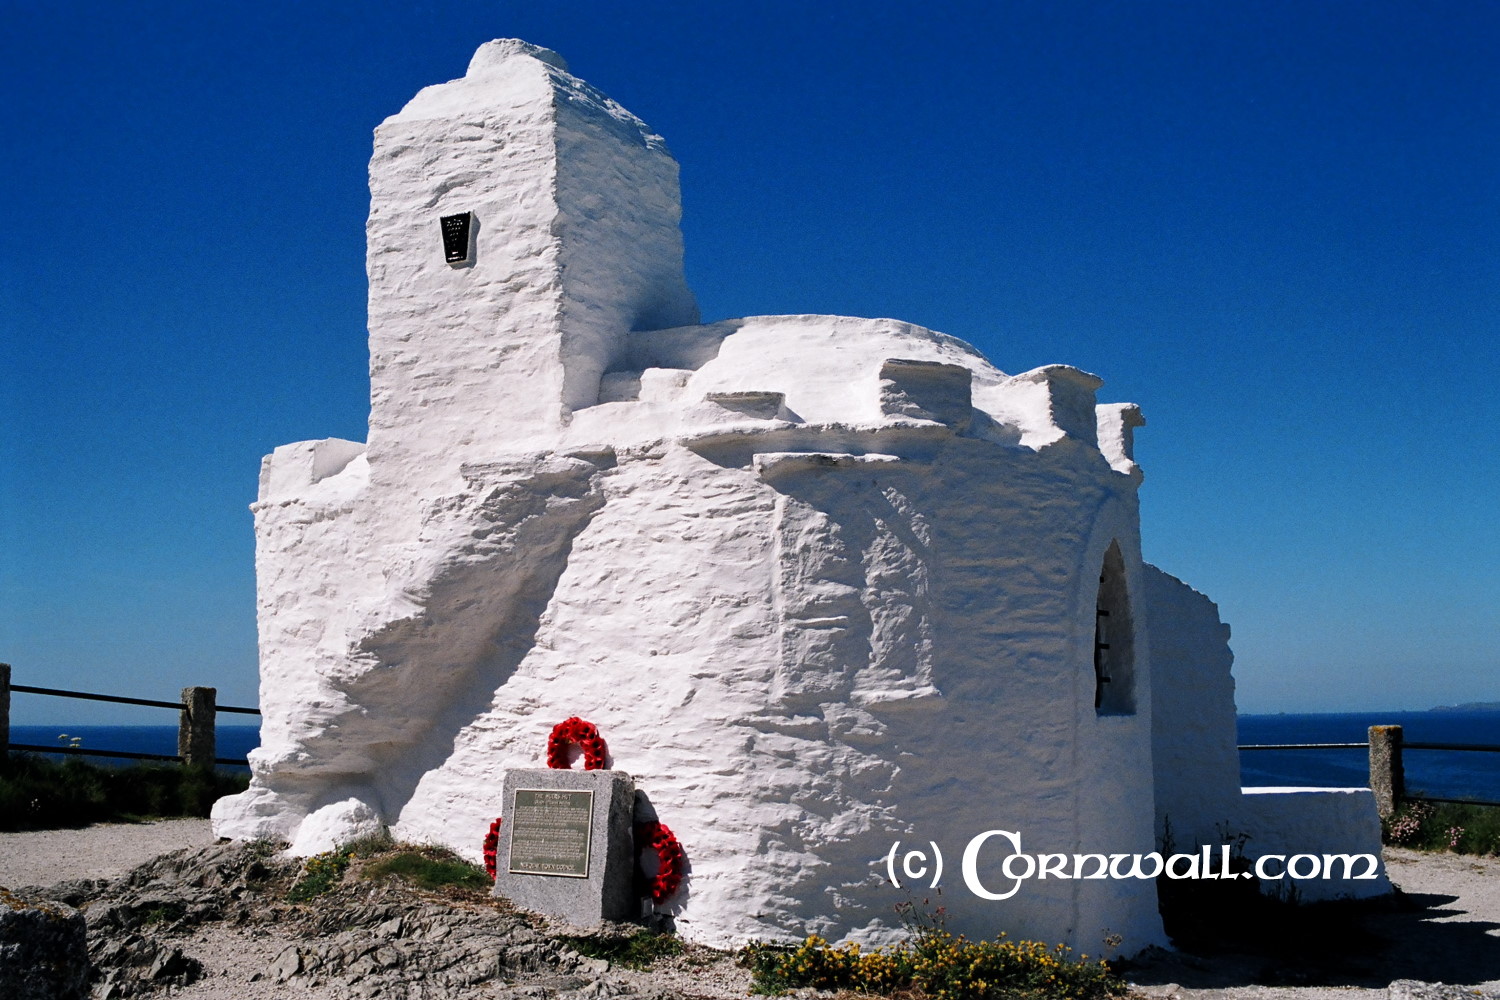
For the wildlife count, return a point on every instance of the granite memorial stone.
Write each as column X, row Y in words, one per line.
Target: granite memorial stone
column 566, row 848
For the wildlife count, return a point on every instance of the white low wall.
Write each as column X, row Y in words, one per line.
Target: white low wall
column 1319, row 822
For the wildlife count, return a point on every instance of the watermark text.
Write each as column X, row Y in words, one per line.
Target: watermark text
column 1006, row 866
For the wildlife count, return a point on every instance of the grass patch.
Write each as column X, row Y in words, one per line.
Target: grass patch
column 41, row 794
column 370, row 845
column 428, row 868
column 638, row 951
column 1444, row 826
column 320, row 873
column 936, row 965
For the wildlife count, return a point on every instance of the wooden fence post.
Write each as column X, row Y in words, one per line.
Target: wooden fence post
column 195, row 731
column 1387, row 777
column 4, row 710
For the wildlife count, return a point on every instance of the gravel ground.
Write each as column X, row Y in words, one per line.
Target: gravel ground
column 1447, row 931
column 105, row 850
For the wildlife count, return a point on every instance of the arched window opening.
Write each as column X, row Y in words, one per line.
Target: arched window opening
column 1114, row 639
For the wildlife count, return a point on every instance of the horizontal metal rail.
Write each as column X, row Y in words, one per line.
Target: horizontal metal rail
column 28, row 689
column 197, row 717
column 1481, row 747
column 129, row 754
column 1462, row 802
column 122, row 700
column 1304, row 746
column 1390, row 782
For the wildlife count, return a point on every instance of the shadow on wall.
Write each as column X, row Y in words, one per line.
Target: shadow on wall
column 440, row 669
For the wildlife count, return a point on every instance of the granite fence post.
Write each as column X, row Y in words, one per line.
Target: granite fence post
column 195, row 731
column 1387, row 778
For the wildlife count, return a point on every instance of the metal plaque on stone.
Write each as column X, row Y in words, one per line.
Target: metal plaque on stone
column 550, row 830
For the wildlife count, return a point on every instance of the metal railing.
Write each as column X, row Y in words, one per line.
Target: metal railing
column 1387, row 769
column 197, row 715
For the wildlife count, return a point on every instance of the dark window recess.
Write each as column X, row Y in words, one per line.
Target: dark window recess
column 1101, row 675
column 456, row 234
column 1114, row 653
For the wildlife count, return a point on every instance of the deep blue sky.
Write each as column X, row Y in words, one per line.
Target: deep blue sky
column 1272, row 225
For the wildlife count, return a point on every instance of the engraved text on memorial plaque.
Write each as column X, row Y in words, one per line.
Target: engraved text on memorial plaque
column 549, row 832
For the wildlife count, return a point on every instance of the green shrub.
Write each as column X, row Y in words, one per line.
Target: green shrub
column 41, row 794
column 638, row 951
column 1445, row 826
column 320, row 873
column 163, row 913
column 934, row 964
column 428, row 868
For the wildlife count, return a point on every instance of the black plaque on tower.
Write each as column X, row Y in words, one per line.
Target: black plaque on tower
column 456, row 234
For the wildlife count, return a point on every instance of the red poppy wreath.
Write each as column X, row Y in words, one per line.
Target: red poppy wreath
column 491, row 847
column 585, row 734
column 670, row 862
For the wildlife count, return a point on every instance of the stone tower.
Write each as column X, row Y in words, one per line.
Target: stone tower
column 576, row 243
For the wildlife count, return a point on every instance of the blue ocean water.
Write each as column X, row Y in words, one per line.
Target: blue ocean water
column 1442, row 773
column 230, row 741
column 1449, row 774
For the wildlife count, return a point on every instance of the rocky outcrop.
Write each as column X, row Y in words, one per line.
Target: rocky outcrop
column 43, row 955
column 222, row 913
column 155, row 928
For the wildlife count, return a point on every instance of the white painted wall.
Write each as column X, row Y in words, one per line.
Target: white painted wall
column 1316, row 821
column 1196, row 766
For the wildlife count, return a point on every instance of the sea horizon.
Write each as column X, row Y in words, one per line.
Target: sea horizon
column 1446, row 774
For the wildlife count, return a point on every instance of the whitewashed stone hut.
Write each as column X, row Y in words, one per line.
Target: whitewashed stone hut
column 823, row 583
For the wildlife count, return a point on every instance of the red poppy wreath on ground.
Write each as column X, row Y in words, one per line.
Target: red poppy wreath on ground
column 670, row 863
column 491, row 847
